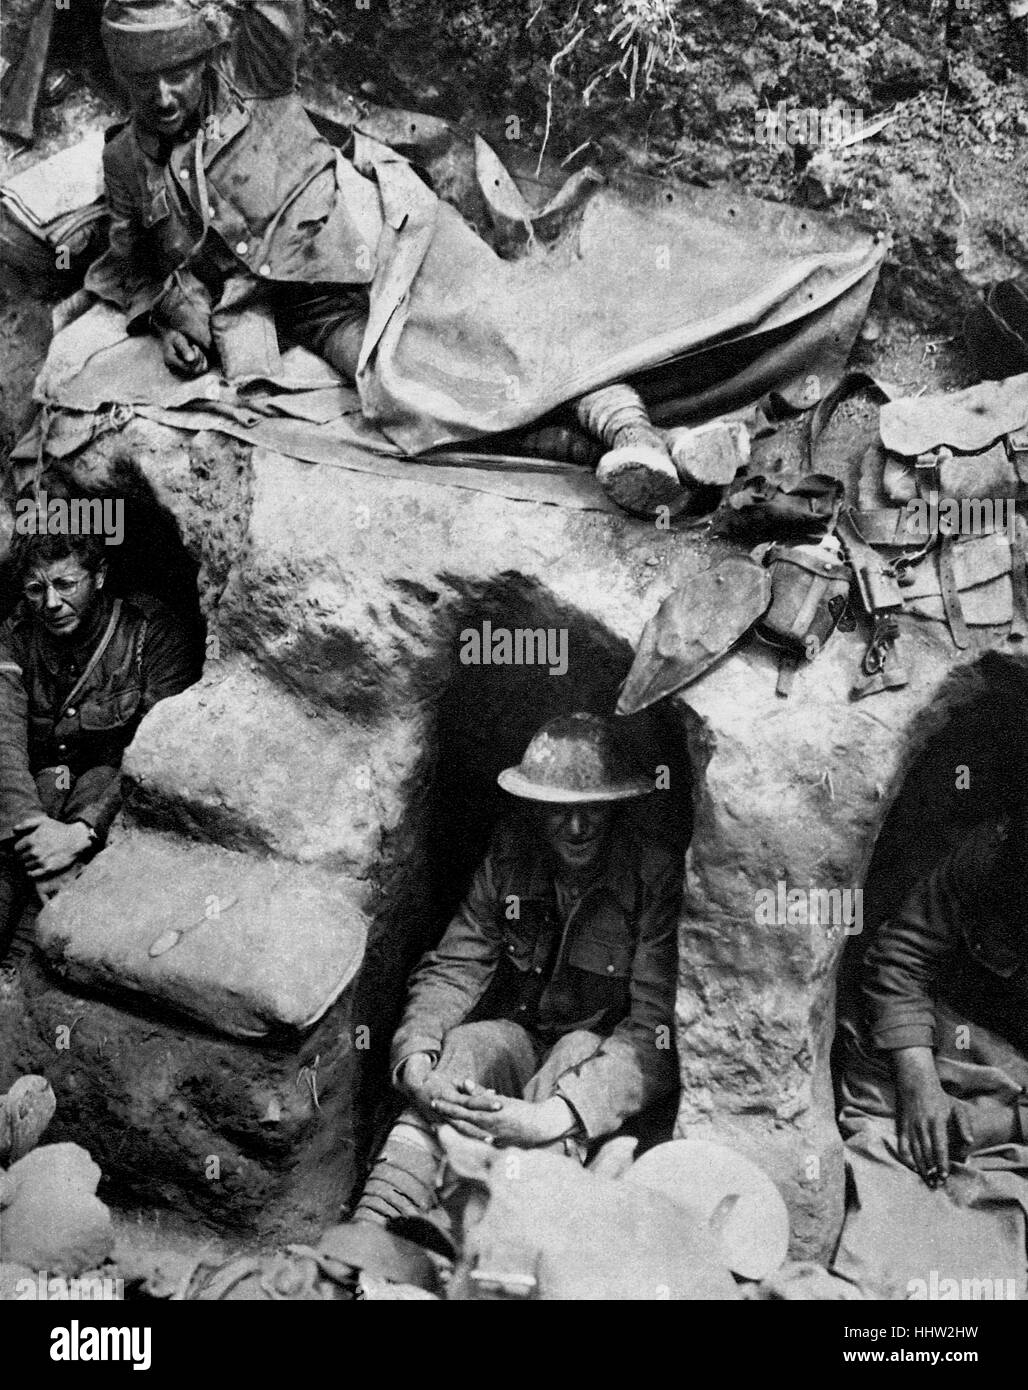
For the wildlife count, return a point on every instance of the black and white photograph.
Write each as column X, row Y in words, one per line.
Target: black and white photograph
column 514, row 667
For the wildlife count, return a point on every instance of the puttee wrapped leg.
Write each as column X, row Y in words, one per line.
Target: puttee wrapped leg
column 636, row 471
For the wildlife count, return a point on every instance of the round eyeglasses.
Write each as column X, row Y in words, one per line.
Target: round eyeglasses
column 63, row 586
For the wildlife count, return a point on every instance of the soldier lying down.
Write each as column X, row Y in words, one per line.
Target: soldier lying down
column 229, row 229
column 543, row 1017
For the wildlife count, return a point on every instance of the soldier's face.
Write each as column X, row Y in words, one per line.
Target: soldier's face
column 167, row 101
column 575, row 834
column 62, row 595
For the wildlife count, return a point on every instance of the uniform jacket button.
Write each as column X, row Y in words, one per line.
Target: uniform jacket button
column 538, row 969
column 70, row 711
column 610, row 970
column 265, row 269
column 241, row 248
column 183, row 174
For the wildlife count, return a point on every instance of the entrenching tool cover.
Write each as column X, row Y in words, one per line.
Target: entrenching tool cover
column 694, row 625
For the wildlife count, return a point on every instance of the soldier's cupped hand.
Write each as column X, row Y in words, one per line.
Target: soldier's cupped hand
column 425, row 1086
column 931, row 1126
column 46, row 846
column 480, row 1113
column 181, row 355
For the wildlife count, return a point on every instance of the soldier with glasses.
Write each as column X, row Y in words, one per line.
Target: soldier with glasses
column 78, row 670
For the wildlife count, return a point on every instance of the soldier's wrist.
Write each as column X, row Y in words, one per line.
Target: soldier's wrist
column 92, row 839
column 561, row 1121
column 914, row 1063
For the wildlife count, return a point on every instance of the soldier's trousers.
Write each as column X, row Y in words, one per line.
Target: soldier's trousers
column 328, row 322
column 495, row 1053
column 18, row 892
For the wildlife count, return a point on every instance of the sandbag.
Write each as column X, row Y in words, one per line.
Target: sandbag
column 245, row 946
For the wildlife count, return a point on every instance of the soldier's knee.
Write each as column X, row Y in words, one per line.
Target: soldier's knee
column 576, row 1046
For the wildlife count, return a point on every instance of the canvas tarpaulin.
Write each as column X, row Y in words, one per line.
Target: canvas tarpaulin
column 974, row 1228
column 707, row 300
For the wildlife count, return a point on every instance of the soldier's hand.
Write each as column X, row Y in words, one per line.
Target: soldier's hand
column 47, row 846
column 925, row 1114
column 425, row 1086
column 181, row 354
column 482, row 1114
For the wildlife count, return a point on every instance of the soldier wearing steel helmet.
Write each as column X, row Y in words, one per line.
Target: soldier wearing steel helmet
column 543, row 1017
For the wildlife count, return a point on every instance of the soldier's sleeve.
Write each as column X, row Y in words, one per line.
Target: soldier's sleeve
column 449, row 981
column 637, row 1064
column 19, row 797
column 95, row 798
column 170, row 662
column 126, row 275
column 902, row 963
column 267, row 38
column 185, row 304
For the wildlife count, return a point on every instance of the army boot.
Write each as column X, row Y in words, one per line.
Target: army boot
column 636, row 471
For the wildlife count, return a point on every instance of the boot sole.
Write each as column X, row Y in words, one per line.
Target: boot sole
column 640, row 478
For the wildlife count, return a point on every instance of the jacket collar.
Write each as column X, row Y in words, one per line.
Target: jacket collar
column 222, row 103
column 623, row 866
column 53, row 653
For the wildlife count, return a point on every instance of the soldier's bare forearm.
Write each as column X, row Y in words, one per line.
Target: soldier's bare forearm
column 914, row 1064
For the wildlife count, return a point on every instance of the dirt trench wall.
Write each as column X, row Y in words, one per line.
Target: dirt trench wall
column 336, row 736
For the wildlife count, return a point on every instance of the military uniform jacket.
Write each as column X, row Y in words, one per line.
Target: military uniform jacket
column 961, row 936
column 609, row 966
column 148, row 658
column 256, row 173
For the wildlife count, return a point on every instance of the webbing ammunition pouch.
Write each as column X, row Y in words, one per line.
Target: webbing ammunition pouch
column 971, row 581
column 968, row 444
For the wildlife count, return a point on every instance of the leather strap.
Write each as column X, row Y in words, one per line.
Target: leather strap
column 891, row 677
column 926, row 476
column 879, row 591
column 951, row 595
column 788, row 665
column 845, row 387
column 98, row 652
column 876, row 577
column 881, row 668
column 1019, row 579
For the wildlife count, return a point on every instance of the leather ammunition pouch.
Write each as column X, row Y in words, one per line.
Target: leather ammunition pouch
column 789, row 504
column 973, row 581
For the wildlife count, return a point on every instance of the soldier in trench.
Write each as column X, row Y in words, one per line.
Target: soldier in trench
column 935, row 1090
column 543, row 1017
column 78, row 670
column 229, row 228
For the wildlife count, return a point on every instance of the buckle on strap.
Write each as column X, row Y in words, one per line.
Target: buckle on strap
column 880, row 665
